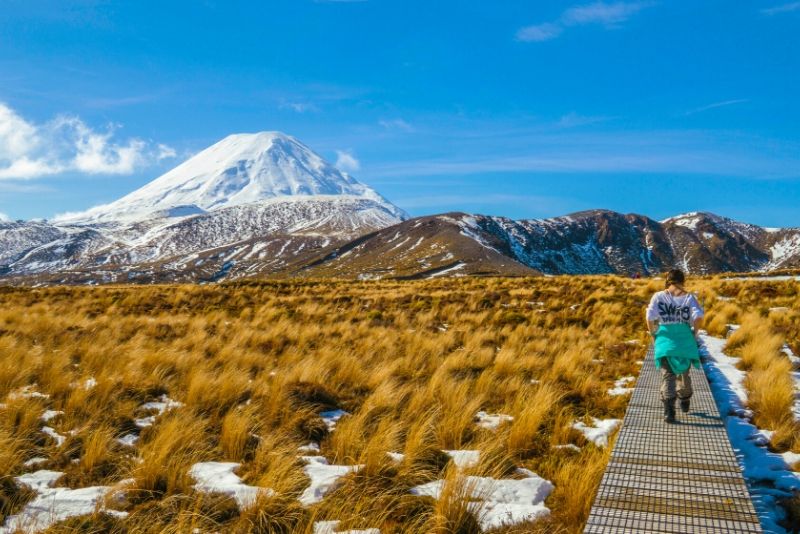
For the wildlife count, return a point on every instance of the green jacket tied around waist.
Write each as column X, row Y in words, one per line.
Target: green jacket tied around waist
column 676, row 343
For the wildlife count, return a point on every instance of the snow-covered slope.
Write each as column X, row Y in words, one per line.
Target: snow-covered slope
column 265, row 196
column 240, row 169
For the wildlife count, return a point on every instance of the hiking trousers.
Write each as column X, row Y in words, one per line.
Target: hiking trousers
column 673, row 385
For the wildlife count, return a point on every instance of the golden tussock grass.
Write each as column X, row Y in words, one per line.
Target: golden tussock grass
column 412, row 363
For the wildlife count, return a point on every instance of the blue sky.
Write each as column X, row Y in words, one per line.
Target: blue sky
column 517, row 108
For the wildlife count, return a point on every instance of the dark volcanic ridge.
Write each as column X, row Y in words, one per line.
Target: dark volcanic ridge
column 256, row 242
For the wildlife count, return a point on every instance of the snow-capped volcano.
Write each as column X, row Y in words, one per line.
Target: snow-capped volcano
column 240, row 169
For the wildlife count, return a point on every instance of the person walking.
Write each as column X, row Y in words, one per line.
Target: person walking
column 673, row 318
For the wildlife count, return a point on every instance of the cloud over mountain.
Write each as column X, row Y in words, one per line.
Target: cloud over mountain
column 67, row 144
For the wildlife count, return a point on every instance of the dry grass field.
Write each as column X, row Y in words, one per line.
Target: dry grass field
column 242, row 373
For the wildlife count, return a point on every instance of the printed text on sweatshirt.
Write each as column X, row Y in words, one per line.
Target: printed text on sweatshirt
column 668, row 309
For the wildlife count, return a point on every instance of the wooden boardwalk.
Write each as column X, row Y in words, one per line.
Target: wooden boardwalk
column 672, row 478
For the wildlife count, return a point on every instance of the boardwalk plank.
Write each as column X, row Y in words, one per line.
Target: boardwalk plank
column 672, row 478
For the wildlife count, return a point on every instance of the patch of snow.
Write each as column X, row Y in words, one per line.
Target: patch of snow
column 52, row 505
column 35, row 461
column 734, row 377
column 330, row 527
column 769, row 476
column 144, row 422
column 687, row 220
column 791, row 458
column 39, row 480
column 332, row 417
column 568, row 446
column 311, row 448
column 600, row 430
column 50, row 414
column 457, row 267
column 59, row 439
column 464, row 459
column 619, row 386
column 396, row 456
column 324, row 478
column 492, row 421
column 777, row 278
column 162, row 405
column 499, row 502
column 219, row 477
column 128, row 440
column 27, row 392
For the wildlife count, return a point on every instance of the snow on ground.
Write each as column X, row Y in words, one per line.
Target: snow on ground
column 54, row 504
column 726, row 365
column 27, row 392
column 464, row 459
column 796, row 378
column 568, row 446
column 35, row 461
column 162, row 405
column 457, row 267
column 324, row 478
column 619, row 386
column 332, row 417
column 89, row 383
column 128, row 440
column 329, row 527
column 779, row 278
column 39, row 480
column 396, row 456
column 50, row 414
column 310, row 448
column 59, row 439
column 492, row 421
column 600, row 430
column 219, row 477
column 499, row 502
column 768, row 474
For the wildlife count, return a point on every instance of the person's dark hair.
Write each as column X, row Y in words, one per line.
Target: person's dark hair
column 675, row 276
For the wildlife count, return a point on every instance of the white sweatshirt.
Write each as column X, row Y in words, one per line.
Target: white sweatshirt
column 668, row 309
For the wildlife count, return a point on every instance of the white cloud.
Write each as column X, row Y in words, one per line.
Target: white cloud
column 67, row 144
column 717, row 105
column 346, row 161
column 783, row 8
column 4, row 217
column 540, row 32
column 165, row 152
column 602, row 13
column 608, row 14
column 396, row 124
column 298, row 107
column 572, row 119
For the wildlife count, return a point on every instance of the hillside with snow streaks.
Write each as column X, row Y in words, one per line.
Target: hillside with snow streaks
column 589, row 242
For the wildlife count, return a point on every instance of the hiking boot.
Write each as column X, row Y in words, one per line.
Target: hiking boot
column 669, row 411
column 685, row 405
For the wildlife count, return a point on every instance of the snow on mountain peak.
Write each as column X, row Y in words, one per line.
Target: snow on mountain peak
column 239, row 169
